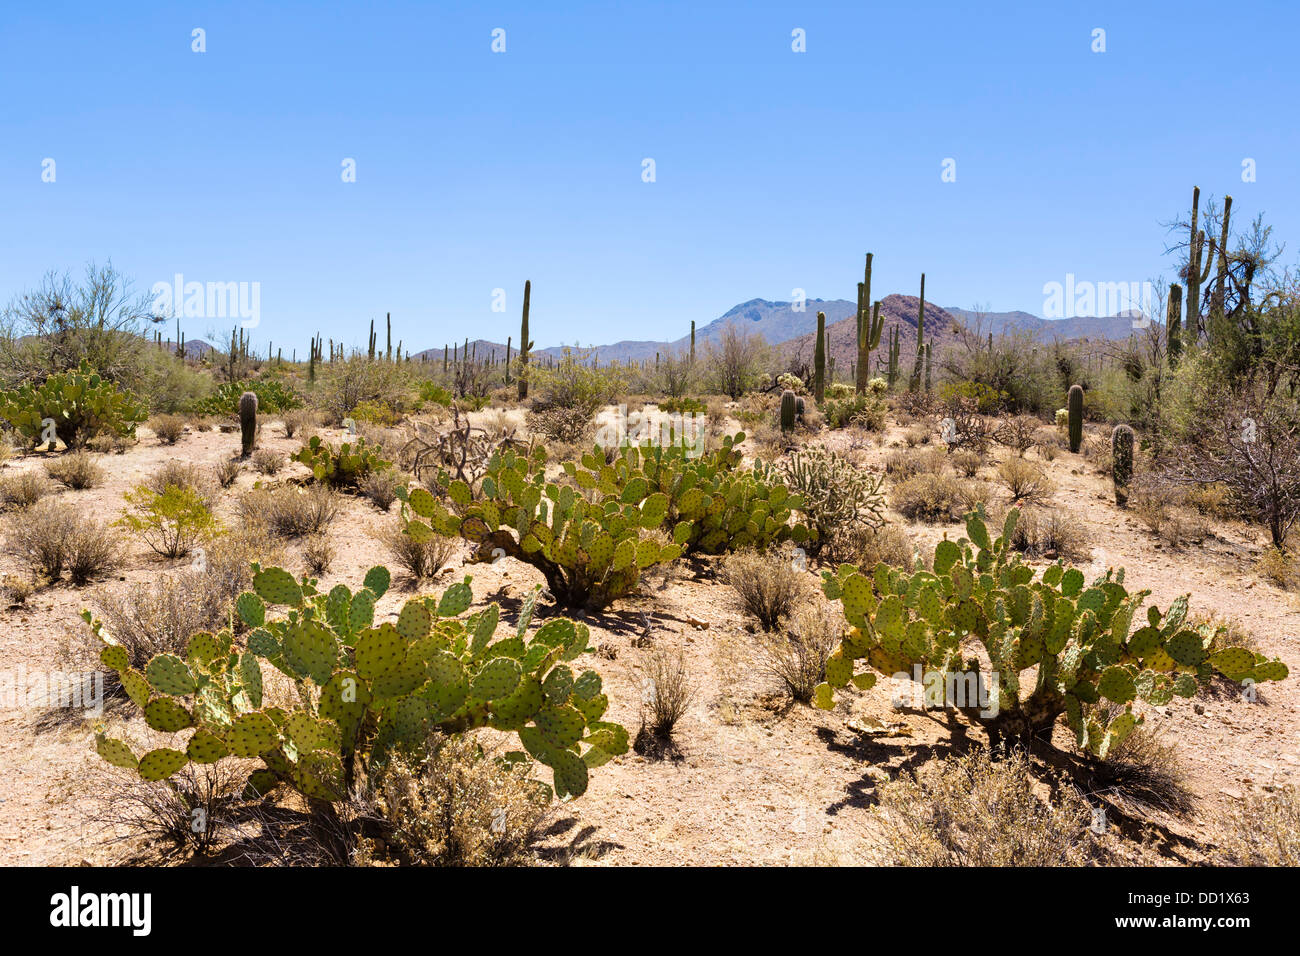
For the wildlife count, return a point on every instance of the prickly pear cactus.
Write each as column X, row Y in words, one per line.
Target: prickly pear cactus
column 343, row 468
column 367, row 688
column 1089, row 643
column 73, row 406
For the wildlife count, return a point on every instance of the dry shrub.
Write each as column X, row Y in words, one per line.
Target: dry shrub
column 299, row 421
column 1145, row 770
column 381, row 487
column 225, row 564
column 768, row 585
column 916, row 435
column 1161, row 506
column 966, row 462
column 1211, row 500
column 267, row 462
column 667, row 693
column 186, row 476
column 168, row 428
column 24, row 489
column 973, row 811
column 1097, row 452
column 16, row 589
column 1018, row 433
column 421, row 559
column 289, row 511
column 797, row 659
column 318, row 554
column 889, row 543
column 929, row 498
column 166, row 812
column 1050, row 533
column 460, row 806
column 1264, row 830
column 76, row 470
column 1025, row 481
column 226, row 472
column 902, row 465
column 1280, row 567
column 108, row 443
column 53, row 536
column 570, row 426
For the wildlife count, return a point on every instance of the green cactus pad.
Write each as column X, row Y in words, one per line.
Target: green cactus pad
column 309, row 733
column 166, row 715
column 1271, row 670
column 1234, row 663
column 206, row 748
column 379, row 650
column 251, row 609
column 1186, row 648
column 561, row 726
column 570, row 774
column 277, row 586
column 414, row 622
column 160, row 764
column 116, row 752
column 311, row 649
column 168, row 674
column 512, row 712
column 320, row 776
column 115, row 657
column 558, row 685
column 496, row 680
column 422, row 503
column 1116, row 684
column 251, row 734
column 260, row 784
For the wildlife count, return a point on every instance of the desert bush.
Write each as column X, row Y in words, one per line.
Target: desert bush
column 288, row 511
column 1280, row 567
column 964, row 426
column 318, row 554
column 971, row 810
column 928, row 497
column 381, row 487
column 108, row 443
column 166, row 812
column 422, row 557
column 1050, row 533
column 16, row 589
column 1263, row 830
column 966, row 462
column 267, row 461
column 1019, row 433
column 460, row 805
column 838, row 497
column 76, row 470
column 767, row 584
column 225, row 472
column 1211, row 500
column 890, row 543
column 902, row 465
column 171, row 522
column 304, row 747
column 159, row 617
column 347, row 382
column 376, row 413
column 298, row 421
column 24, row 489
column 272, row 394
column 53, row 536
column 916, row 435
column 1143, row 769
column 168, row 428
column 867, row 411
column 734, row 363
column 569, row 426
column 667, row 693
column 1161, row 506
column 184, row 475
column 1025, row 481
column 797, row 658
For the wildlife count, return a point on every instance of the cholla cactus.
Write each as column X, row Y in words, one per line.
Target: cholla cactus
column 71, row 406
column 1088, row 644
column 790, row 382
column 877, row 386
column 343, row 468
column 365, row 689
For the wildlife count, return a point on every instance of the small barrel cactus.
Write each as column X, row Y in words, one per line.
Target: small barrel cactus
column 1075, row 407
column 787, row 410
column 247, row 421
column 798, row 408
column 1121, row 446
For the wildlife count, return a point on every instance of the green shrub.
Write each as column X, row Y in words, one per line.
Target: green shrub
column 172, row 521
column 272, row 396
column 866, row 411
column 434, row 393
column 369, row 690
column 342, row 468
column 75, row 405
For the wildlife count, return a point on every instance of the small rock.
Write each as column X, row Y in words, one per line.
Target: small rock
column 1198, row 708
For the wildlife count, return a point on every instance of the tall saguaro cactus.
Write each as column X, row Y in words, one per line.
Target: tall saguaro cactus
column 692, row 342
column 1074, row 409
column 1199, row 265
column 247, row 422
column 525, row 345
column 1121, row 448
column 819, row 360
column 914, row 383
column 870, row 325
column 1173, row 322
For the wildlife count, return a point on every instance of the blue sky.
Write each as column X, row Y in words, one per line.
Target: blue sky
column 775, row 170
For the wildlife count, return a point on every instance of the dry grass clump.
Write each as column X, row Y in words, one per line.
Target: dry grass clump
column 1050, row 533
column 289, row 511
column 1161, row 506
column 24, row 489
column 318, row 554
column 51, row 537
column 76, row 470
column 1264, row 830
column 666, row 693
column 931, row 498
column 1025, row 481
column 109, row 443
column 16, row 589
column 902, row 465
column 966, row 462
column 166, row 812
column 797, row 658
column 1210, row 500
column 168, row 428
column 186, row 476
column 299, row 421
column 1145, row 770
column 381, row 487
column 916, row 435
column 226, row 472
column 459, row 806
column 768, row 584
column 1280, row 567
column 973, row 811
column 421, row 559
column 889, row 543
column 267, row 461
column 1019, row 433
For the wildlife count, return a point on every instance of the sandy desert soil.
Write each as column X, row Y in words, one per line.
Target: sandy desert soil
column 755, row 781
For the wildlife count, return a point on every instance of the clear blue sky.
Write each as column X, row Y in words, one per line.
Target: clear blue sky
column 775, row 169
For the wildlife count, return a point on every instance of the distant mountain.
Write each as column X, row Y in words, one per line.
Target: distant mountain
column 1078, row 327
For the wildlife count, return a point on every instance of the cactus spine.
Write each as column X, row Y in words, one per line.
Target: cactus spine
column 1121, row 447
column 914, row 383
column 247, row 422
column 787, row 410
column 1074, row 405
column 524, row 344
column 870, row 325
column 819, row 360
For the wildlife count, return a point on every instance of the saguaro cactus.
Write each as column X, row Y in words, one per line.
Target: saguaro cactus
column 692, row 342
column 870, row 325
column 819, row 360
column 247, row 422
column 1074, row 406
column 914, row 383
column 1173, row 322
column 1121, row 447
column 787, row 410
column 525, row 346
